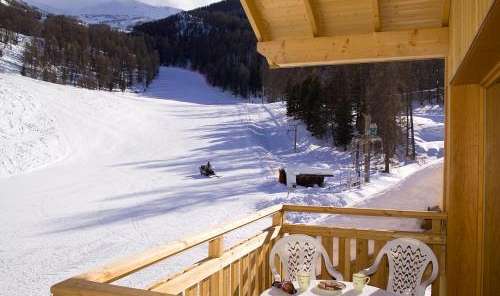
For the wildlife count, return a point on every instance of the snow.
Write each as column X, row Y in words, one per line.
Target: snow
column 93, row 176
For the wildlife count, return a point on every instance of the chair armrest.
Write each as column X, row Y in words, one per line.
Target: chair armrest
column 372, row 269
column 432, row 278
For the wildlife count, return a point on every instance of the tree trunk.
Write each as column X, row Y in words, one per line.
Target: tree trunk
column 387, row 162
column 413, row 151
column 407, row 126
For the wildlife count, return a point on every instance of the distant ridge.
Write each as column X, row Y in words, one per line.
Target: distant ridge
column 119, row 14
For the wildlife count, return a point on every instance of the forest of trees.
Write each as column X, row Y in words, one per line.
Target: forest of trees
column 64, row 51
column 331, row 100
column 216, row 41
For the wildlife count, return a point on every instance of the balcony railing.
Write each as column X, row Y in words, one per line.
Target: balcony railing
column 243, row 269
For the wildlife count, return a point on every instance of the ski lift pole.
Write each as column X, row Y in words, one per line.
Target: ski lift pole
column 295, row 146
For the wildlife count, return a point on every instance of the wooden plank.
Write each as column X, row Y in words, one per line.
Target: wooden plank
column 313, row 230
column 360, row 48
column 345, row 258
column 226, row 280
column 483, row 54
column 215, row 287
column 379, row 279
column 491, row 284
column 244, row 276
column 205, row 287
column 311, row 17
column 260, row 270
column 327, row 242
column 377, row 25
column 79, row 287
column 268, row 276
column 191, row 291
column 252, row 271
column 209, row 267
column 365, row 212
column 445, row 19
column 235, row 278
column 254, row 18
column 361, row 254
column 465, row 196
column 132, row 264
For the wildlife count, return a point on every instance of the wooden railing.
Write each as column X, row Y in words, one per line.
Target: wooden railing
column 243, row 269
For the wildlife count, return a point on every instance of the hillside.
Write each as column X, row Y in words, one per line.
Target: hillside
column 216, row 41
column 63, row 50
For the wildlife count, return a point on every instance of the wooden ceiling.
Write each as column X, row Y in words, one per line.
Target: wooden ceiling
column 293, row 33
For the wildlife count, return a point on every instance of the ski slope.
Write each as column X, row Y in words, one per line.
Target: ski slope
column 92, row 176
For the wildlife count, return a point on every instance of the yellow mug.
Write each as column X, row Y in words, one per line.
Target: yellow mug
column 360, row 281
column 304, row 280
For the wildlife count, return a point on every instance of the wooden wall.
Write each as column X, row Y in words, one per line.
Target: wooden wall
column 466, row 17
column 491, row 282
column 473, row 140
column 464, row 196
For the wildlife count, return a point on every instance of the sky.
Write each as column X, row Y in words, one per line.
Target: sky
column 75, row 4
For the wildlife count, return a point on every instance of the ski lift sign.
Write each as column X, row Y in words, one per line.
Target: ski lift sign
column 373, row 130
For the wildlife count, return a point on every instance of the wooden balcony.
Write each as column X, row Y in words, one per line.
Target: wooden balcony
column 243, row 269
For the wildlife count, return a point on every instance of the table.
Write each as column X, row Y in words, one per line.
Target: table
column 313, row 291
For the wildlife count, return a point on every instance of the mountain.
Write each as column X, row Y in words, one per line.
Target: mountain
column 119, row 14
column 215, row 40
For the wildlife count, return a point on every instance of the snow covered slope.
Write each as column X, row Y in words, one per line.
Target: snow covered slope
column 129, row 180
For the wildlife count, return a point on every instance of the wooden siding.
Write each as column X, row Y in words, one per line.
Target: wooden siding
column 491, row 284
column 466, row 18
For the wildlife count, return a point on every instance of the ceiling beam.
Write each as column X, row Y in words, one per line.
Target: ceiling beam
column 311, row 17
column 377, row 25
column 445, row 19
column 360, row 48
column 254, row 19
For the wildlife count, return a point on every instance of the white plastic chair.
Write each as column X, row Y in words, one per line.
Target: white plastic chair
column 408, row 258
column 299, row 253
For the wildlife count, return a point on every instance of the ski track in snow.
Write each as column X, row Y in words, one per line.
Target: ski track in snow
column 113, row 174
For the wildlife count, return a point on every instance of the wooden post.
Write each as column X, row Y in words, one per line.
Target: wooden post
column 439, row 285
column 278, row 218
column 216, row 247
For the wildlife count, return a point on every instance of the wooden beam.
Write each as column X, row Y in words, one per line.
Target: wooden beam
column 365, row 212
column 480, row 62
column 377, row 25
column 311, row 17
column 360, row 48
column 77, row 287
column 132, row 264
column 368, row 234
column 253, row 18
column 445, row 19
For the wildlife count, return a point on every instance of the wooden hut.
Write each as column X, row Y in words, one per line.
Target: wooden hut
column 297, row 33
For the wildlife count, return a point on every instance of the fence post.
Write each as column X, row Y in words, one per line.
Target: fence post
column 278, row 218
column 216, row 247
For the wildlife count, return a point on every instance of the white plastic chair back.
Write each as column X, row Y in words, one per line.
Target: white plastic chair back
column 408, row 258
column 299, row 253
